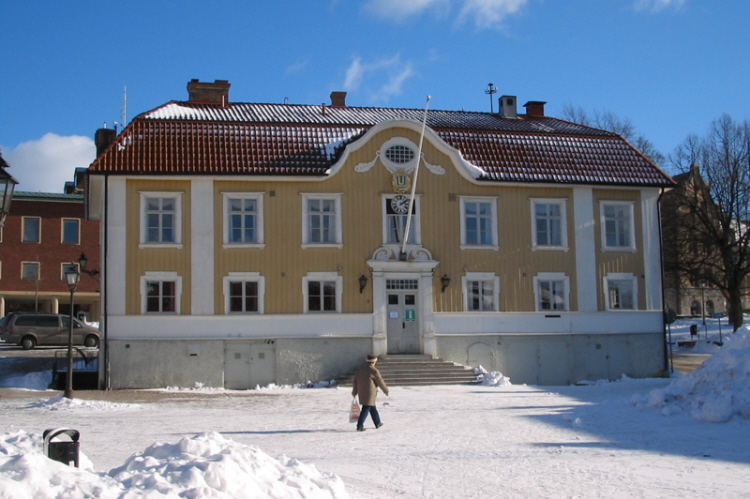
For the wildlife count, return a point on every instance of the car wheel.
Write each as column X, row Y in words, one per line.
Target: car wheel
column 27, row 343
column 91, row 341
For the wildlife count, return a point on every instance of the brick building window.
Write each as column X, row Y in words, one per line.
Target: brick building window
column 70, row 229
column 30, row 271
column 32, row 230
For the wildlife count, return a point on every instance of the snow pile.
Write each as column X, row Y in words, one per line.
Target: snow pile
column 26, row 472
column 493, row 378
column 716, row 392
column 60, row 403
column 39, row 380
column 207, row 465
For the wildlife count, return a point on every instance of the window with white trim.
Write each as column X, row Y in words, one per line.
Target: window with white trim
column 243, row 293
column 617, row 225
column 322, row 292
column 479, row 223
column 549, row 224
column 396, row 213
column 481, row 292
column 32, row 229
column 621, row 292
column 551, row 292
column 321, row 220
column 70, row 230
column 161, row 293
column 243, row 219
column 30, row 271
column 161, row 218
column 398, row 153
column 66, row 267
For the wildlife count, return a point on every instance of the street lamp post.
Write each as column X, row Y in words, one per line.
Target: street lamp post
column 72, row 276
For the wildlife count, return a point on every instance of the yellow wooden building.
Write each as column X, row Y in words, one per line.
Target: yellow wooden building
column 247, row 244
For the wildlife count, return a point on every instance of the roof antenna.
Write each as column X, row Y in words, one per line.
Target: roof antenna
column 124, row 108
column 491, row 90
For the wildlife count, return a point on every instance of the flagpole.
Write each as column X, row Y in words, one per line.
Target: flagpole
column 402, row 256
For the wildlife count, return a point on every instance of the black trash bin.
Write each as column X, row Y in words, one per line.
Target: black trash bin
column 64, row 451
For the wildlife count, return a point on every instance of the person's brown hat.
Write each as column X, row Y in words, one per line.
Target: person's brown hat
column 372, row 359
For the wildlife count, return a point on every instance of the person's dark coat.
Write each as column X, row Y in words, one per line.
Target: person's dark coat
column 366, row 383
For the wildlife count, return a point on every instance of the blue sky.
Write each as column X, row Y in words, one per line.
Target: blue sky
column 669, row 66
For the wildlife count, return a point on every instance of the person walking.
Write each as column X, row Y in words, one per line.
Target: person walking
column 366, row 383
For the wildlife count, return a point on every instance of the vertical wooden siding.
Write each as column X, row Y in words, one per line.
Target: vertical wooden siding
column 283, row 262
column 140, row 261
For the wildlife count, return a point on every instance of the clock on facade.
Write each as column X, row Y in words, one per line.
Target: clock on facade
column 400, row 204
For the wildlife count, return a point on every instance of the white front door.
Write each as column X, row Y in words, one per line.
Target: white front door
column 402, row 300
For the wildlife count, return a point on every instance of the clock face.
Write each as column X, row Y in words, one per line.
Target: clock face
column 400, row 204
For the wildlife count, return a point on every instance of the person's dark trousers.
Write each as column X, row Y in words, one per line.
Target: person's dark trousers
column 373, row 411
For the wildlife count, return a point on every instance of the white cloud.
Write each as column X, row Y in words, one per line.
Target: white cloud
column 482, row 13
column 44, row 165
column 489, row 13
column 297, row 67
column 658, row 5
column 399, row 10
column 385, row 77
column 354, row 75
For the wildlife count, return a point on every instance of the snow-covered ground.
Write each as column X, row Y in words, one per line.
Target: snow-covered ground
column 681, row 437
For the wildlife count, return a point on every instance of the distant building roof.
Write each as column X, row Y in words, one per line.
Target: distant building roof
column 45, row 196
column 189, row 138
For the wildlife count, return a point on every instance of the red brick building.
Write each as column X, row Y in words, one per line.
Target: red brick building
column 43, row 234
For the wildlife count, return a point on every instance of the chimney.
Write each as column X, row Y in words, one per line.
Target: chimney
column 102, row 139
column 535, row 108
column 507, row 106
column 208, row 93
column 338, row 99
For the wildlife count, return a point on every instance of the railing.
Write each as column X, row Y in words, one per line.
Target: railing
column 83, row 361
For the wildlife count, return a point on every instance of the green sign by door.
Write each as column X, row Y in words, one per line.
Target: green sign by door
column 410, row 315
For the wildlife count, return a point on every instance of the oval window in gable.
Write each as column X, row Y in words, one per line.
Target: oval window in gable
column 399, row 154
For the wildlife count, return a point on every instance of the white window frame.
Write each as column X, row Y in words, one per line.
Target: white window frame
column 562, row 203
column 392, row 166
column 66, row 264
column 39, row 230
column 259, row 239
column 306, row 243
column 622, row 277
column 481, row 277
column 177, row 243
column 547, row 277
column 322, row 276
column 78, row 231
column 244, row 277
column 493, row 222
column 629, row 205
column 161, row 277
column 38, row 270
column 416, row 225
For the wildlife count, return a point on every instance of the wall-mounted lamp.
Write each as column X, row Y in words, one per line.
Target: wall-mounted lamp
column 444, row 281
column 362, row 283
column 82, row 262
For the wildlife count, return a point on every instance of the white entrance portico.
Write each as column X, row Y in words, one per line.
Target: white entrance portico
column 403, row 317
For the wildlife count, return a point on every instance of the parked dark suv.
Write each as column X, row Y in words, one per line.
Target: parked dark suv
column 31, row 329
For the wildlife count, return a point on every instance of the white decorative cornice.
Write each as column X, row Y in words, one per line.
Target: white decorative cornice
column 393, row 253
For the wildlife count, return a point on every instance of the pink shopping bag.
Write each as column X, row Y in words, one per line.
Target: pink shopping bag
column 354, row 411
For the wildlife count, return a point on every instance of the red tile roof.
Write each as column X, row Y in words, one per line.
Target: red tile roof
column 274, row 139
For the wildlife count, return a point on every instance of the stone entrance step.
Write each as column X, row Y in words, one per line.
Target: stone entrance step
column 416, row 370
